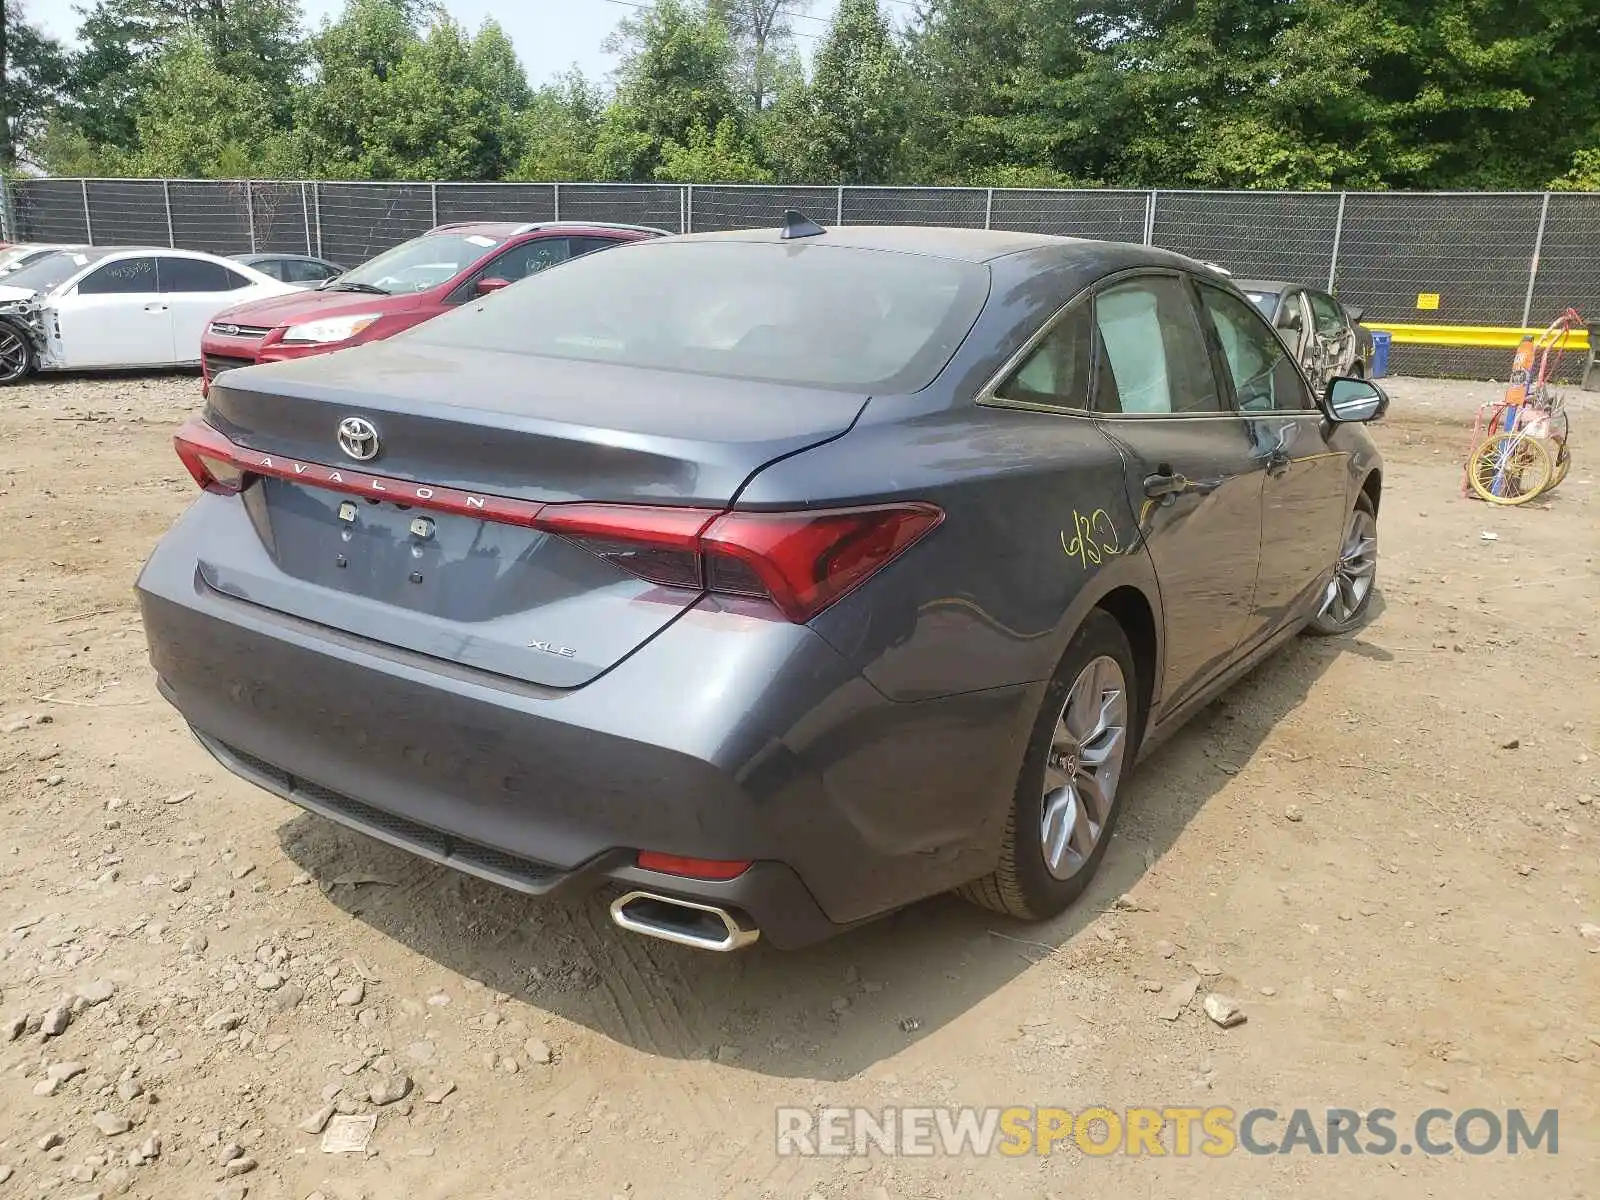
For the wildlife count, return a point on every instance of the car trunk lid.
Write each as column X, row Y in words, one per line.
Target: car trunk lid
column 426, row 545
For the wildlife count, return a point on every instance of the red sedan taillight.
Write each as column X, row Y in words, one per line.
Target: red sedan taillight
column 801, row 561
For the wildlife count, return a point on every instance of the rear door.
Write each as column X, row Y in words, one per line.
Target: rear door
column 1194, row 472
column 517, row 263
column 1293, row 323
column 195, row 291
column 1303, row 498
column 116, row 317
column 1336, row 340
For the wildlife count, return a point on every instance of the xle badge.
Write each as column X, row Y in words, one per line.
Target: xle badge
column 552, row 648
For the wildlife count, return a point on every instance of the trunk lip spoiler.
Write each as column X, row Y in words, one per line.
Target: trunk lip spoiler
column 199, row 436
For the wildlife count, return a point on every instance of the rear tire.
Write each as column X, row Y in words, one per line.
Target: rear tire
column 16, row 355
column 1066, row 803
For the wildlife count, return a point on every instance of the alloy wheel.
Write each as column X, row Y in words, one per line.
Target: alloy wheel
column 1081, row 774
column 1356, row 569
column 13, row 356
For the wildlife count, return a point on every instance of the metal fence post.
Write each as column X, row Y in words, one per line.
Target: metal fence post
column 556, row 196
column 1150, row 218
column 316, row 207
column 688, row 208
column 1338, row 236
column 166, row 199
column 88, row 224
column 433, row 200
column 838, row 207
column 1533, row 267
column 305, row 214
column 250, row 212
column 988, row 209
column 7, row 222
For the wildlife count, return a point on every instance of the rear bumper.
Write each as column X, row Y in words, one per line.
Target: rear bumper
column 725, row 737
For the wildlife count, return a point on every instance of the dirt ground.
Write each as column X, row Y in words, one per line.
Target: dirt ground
column 1383, row 846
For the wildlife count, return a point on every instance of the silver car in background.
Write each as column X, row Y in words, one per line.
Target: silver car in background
column 1326, row 336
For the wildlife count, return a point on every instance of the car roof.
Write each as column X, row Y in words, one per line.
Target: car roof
column 509, row 229
column 968, row 245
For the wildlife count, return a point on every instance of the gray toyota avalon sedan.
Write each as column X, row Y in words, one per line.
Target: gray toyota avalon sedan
column 775, row 579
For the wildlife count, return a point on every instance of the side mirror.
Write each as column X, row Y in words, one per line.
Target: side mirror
column 492, row 283
column 1289, row 320
column 1355, row 314
column 1348, row 399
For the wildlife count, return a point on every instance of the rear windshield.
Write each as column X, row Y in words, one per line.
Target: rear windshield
column 423, row 262
column 51, row 270
column 807, row 314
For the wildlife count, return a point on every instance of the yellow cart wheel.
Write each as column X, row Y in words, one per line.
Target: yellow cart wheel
column 1510, row 468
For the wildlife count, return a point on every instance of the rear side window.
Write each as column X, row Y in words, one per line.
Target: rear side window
column 1264, row 380
column 588, row 245
column 528, row 259
column 1159, row 363
column 196, row 275
column 299, row 270
column 126, row 275
column 807, row 314
column 1330, row 321
column 1056, row 372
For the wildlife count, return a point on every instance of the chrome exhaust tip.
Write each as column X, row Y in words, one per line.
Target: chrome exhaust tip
column 702, row 926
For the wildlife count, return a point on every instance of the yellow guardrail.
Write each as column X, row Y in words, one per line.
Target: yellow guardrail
column 1493, row 337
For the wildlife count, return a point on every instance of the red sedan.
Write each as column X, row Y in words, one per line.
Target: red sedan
column 400, row 288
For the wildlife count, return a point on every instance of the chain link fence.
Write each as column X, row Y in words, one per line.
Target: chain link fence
column 1500, row 259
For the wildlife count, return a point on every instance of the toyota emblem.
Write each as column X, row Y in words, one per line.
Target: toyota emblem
column 358, row 438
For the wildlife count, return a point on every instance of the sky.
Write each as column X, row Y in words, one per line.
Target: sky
column 550, row 35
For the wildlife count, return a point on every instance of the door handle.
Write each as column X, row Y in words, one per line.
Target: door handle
column 1167, row 484
column 156, row 307
column 1164, row 484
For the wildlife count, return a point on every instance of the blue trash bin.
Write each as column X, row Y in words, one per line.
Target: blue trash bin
column 1380, row 354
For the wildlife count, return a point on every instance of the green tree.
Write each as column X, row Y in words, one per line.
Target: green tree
column 33, row 68
column 560, row 128
column 854, row 112
column 352, row 59
column 762, row 34
column 723, row 156
column 1585, row 173
column 961, row 58
column 255, row 40
column 676, row 76
column 450, row 109
column 199, row 121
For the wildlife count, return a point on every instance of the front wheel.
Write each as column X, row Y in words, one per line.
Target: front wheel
column 1065, row 804
column 16, row 355
column 1348, row 595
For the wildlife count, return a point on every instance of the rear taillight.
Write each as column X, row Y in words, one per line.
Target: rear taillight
column 210, row 458
column 800, row 561
column 658, row 544
column 804, row 561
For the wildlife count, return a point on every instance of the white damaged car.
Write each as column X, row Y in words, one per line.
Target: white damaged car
column 118, row 306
